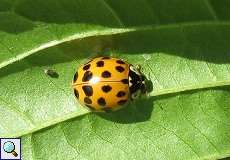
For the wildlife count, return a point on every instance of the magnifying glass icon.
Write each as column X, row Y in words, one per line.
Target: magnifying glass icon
column 9, row 147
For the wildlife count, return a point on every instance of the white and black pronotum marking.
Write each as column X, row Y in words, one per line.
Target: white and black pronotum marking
column 136, row 82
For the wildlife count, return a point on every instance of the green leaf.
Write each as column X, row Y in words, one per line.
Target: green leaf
column 190, row 125
column 181, row 46
column 173, row 65
column 28, row 26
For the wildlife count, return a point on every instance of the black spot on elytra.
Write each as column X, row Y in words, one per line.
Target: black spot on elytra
column 120, row 62
column 106, row 88
column 121, row 102
column 106, row 58
column 86, row 67
column 101, row 101
column 87, row 100
column 125, row 81
column 75, row 77
column 106, row 74
column 90, row 107
column 76, row 93
column 87, row 76
column 88, row 90
column 120, row 94
column 120, row 69
column 100, row 63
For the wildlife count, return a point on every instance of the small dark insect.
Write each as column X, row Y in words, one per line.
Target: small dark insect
column 51, row 73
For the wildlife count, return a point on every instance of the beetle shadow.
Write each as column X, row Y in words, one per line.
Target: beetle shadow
column 138, row 111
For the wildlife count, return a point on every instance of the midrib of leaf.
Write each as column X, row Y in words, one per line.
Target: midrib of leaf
column 56, row 42
column 191, row 87
column 111, row 31
column 159, row 92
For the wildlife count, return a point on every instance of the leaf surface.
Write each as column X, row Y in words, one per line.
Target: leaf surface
column 181, row 46
column 28, row 26
column 191, row 125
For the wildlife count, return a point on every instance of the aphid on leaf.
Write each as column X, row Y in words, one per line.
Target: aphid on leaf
column 51, row 73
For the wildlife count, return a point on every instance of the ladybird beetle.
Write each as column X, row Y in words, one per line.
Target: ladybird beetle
column 107, row 84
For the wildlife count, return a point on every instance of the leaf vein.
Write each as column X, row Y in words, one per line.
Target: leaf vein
column 13, row 107
column 210, row 142
column 112, row 11
column 187, row 144
column 211, row 10
column 103, row 139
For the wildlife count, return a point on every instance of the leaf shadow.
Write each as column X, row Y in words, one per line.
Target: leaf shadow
column 137, row 111
column 206, row 43
column 66, row 52
column 62, row 12
column 106, row 13
column 221, row 9
column 21, row 16
column 14, row 24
